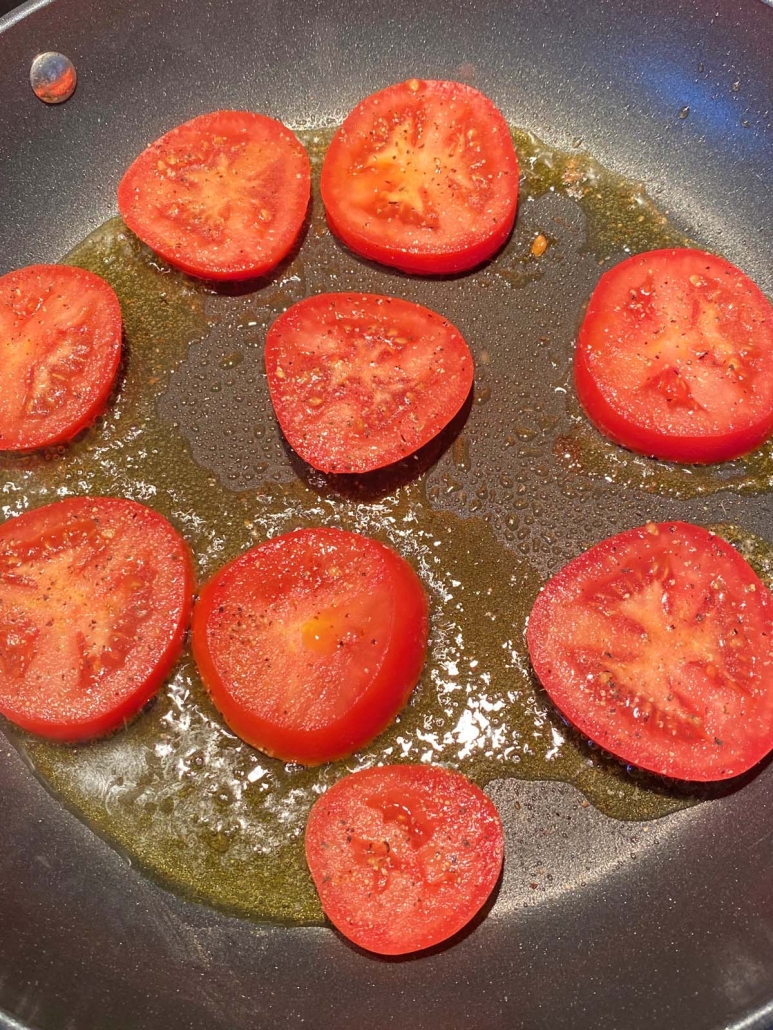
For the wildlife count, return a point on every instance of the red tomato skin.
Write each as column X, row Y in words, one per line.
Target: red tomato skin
column 293, row 197
column 463, row 259
column 723, row 444
column 340, row 449
column 703, row 760
column 95, row 391
column 468, row 827
column 113, row 714
column 374, row 709
column 467, row 253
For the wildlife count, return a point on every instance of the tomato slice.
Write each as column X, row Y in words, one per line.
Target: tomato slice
column 403, row 856
column 675, row 357
column 656, row 643
column 222, row 196
column 359, row 381
column 95, row 596
column 423, row 176
column 60, row 348
column 311, row 643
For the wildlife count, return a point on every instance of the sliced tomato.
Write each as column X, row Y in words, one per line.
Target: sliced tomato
column 403, row 856
column 656, row 643
column 675, row 357
column 311, row 643
column 359, row 381
column 222, row 196
column 60, row 348
column 422, row 176
column 95, row 597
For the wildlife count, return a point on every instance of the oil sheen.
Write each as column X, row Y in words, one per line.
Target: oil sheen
column 484, row 514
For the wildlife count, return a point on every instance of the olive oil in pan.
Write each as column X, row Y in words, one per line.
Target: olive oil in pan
column 190, row 432
column 585, row 451
column 758, row 552
column 190, row 802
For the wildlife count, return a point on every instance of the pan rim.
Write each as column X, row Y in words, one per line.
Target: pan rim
column 21, row 12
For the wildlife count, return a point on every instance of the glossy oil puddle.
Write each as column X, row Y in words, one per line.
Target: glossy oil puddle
column 585, row 451
column 483, row 516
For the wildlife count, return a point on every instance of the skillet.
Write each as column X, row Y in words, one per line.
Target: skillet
column 677, row 933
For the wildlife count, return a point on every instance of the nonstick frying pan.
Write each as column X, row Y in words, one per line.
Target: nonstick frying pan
column 676, row 932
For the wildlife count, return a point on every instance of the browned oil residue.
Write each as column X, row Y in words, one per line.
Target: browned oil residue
column 190, row 432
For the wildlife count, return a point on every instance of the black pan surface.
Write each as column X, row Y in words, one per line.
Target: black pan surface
column 673, row 933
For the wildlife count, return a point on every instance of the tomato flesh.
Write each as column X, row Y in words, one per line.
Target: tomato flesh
column 423, row 176
column 656, row 643
column 95, row 596
column 60, row 348
column 359, row 381
column 403, row 856
column 222, row 196
column 675, row 357
column 311, row 643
